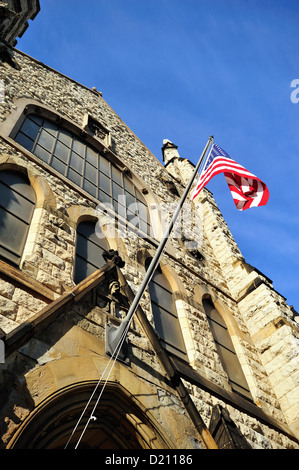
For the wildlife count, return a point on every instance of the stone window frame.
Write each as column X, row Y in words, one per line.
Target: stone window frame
column 202, row 293
column 83, row 164
column 43, row 194
column 14, row 254
column 78, row 255
column 226, row 349
column 177, row 291
column 10, row 127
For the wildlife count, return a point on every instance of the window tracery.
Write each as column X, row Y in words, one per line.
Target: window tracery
column 86, row 167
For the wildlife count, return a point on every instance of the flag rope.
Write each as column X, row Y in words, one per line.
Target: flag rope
column 92, row 417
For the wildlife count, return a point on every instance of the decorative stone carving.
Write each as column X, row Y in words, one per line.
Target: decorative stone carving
column 97, row 129
column 113, row 255
column 191, row 247
column 115, row 303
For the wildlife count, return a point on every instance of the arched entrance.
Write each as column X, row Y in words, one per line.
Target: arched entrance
column 120, row 423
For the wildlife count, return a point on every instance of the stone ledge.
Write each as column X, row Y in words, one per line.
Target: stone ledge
column 8, row 272
column 20, row 335
column 231, row 398
column 272, row 327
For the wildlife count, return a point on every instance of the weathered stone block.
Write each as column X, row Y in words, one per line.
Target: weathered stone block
column 8, row 308
column 6, row 289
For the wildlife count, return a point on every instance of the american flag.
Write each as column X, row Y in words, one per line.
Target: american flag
column 247, row 190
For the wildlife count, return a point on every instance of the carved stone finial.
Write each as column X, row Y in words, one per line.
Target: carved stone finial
column 169, row 151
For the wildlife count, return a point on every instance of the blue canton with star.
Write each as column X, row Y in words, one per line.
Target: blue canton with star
column 216, row 152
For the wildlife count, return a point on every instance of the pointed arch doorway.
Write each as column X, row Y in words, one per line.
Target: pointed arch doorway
column 120, row 423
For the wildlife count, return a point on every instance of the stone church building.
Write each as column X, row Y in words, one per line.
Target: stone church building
column 210, row 360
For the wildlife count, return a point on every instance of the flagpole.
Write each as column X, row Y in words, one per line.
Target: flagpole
column 115, row 334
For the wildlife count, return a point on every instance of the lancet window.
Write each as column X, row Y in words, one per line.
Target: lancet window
column 226, row 350
column 165, row 314
column 89, row 250
column 17, row 203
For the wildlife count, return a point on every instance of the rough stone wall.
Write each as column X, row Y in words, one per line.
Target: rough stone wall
column 50, row 250
column 276, row 337
column 71, row 351
column 16, row 305
column 258, row 435
column 261, row 307
column 270, row 321
column 261, row 312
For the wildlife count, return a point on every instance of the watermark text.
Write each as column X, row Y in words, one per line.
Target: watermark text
column 2, row 92
column 152, row 223
column 2, row 352
column 295, row 93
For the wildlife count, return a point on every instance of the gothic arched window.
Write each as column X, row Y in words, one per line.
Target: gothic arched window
column 89, row 250
column 165, row 314
column 17, row 202
column 85, row 166
column 226, row 350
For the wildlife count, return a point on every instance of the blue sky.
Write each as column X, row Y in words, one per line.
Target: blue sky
column 186, row 69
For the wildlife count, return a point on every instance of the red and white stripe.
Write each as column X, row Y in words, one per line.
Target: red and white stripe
column 247, row 190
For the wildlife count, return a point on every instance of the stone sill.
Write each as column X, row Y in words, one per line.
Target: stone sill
column 186, row 372
column 11, row 273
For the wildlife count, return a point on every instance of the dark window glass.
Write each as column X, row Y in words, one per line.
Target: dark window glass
column 91, row 173
column 74, row 176
column 64, row 137
column 78, row 147
column 25, row 141
column 116, row 190
column 17, row 202
column 226, row 350
column 85, row 167
column 105, row 183
column 37, row 119
column 58, row 165
column 92, row 157
column 30, row 129
column 117, row 176
column 131, row 201
column 42, row 153
column 90, row 188
column 129, row 186
column 165, row 315
column 76, row 162
column 89, row 250
column 46, row 140
column 61, row 151
column 50, row 127
column 105, row 166
column 104, row 197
